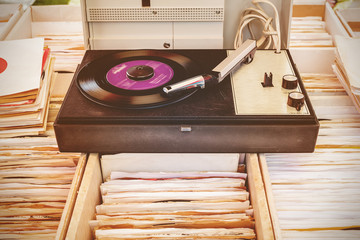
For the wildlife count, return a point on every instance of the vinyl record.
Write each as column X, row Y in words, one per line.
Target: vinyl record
column 134, row 79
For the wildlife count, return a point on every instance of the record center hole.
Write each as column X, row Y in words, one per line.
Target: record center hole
column 140, row 72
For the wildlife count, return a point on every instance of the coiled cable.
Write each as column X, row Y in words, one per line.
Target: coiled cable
column 270, row 37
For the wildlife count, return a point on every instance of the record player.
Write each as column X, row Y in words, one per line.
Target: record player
column 148, row 100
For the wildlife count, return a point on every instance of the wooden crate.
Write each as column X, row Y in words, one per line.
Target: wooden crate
column 304, row 8
column 350, row 18
column 318, row 59
column 89, row 196
column 71, row 199
column 45, row 20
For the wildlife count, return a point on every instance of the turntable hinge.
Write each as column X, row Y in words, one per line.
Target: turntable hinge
column 185, row 128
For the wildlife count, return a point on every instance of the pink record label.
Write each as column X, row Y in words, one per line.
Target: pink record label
column 119, row 76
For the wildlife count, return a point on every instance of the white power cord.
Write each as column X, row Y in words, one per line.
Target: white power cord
column 271, row 37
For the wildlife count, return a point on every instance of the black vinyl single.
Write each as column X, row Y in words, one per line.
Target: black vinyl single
column 92, row 82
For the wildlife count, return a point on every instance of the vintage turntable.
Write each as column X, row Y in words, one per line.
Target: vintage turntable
column 117, row 102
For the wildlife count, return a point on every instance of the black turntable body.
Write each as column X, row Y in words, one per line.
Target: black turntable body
column 203, row 121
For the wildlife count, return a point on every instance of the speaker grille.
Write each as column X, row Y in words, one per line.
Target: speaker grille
column 155, row 14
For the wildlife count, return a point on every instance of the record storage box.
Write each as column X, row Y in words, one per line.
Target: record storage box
column 53, row 19
column 317, row 59
column 89, row 196
column 350, row 18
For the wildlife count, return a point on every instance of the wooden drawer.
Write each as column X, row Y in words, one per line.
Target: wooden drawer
column 71, row 199
column 89, row 196
column 350, row 18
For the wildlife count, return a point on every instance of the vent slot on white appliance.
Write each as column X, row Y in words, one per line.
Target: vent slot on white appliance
column 155, row 14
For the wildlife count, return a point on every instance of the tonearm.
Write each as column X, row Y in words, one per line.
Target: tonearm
column 244, row 54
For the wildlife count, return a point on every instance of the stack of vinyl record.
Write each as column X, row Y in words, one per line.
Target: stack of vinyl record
column 309, row 32
column 174, row 205
column 68, row 49
column 317, row 194
column 62, row 31
column 35, row 180
column 25, row 80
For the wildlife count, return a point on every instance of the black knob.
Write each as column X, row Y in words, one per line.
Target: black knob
column 296, row 100
column 289, row 81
